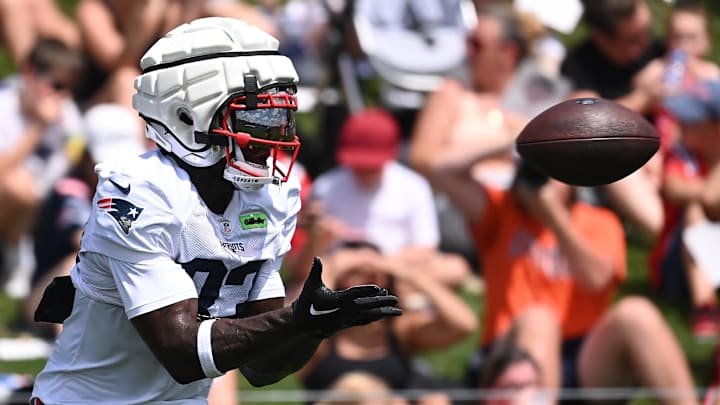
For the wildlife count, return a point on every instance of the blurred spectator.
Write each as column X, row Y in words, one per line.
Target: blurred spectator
column 40, row 125
column 410, row 45
column 24, row 22
column 360, row 388
column 536, row 83
column 434, row 318
column 362, row 192
column 116, row 33
column 551, row 267
column 686, row 167
column 688, row 29
column 688, row 38
column 371, row 197
column 688, row 43
column 476, row 114
column 605, row 65
column 301, row 26
column 512, row 372
column 399, row 50
column 109, row 131
column 620, row 45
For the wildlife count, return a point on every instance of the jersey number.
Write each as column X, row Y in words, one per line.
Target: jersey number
column 216, row 272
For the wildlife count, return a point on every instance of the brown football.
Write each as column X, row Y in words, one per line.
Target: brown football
column 588, row 141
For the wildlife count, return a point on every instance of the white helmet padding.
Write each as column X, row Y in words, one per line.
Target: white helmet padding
column 192, row 74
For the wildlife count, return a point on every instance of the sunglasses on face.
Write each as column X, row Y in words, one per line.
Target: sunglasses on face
column 475, row 43
column 478, row 44
column 638, row 36
column 56, row 84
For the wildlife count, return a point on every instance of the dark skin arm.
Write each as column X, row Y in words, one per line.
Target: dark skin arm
column 266, row 346
column 285, row 358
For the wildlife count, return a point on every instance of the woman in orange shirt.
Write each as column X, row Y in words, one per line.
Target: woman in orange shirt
column 551, row 266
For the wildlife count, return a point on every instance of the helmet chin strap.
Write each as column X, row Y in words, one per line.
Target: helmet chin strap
column 242, row 181
column 197, row 161
column 165, row 139
column 243, row 175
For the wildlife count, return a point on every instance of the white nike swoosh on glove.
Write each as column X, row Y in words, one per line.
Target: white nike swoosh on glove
column 316, row 312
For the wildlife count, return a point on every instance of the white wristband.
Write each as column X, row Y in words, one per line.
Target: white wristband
column 204, row 349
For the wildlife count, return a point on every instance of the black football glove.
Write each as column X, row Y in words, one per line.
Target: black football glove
column 322, row 311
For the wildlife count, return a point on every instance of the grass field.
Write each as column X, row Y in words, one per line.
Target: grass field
column 451, row 363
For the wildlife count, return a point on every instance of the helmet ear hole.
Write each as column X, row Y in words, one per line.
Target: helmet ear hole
column 185, row 117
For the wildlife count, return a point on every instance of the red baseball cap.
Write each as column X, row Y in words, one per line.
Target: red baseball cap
column 368, row 139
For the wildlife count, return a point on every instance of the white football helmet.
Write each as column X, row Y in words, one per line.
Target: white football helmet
column 217, row 88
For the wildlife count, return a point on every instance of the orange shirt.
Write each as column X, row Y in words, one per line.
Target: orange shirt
column 523, row 265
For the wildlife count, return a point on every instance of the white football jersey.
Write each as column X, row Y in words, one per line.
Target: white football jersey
column 150, row 242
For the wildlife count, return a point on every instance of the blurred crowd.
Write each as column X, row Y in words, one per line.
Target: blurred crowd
column 409, row 112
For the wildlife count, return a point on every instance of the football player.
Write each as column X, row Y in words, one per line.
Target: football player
column 177, row 277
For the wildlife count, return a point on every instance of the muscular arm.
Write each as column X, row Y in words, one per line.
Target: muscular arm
column 256, row 344
column 112, row 43
column 103, row 42
column 285, row 358
column 590, row 268
column 252, row 344
column 638, row 99
column 451, row 319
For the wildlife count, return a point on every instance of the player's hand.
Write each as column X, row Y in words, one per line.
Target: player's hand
column 322, row 311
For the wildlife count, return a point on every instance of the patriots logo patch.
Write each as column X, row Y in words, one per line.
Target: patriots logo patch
column 124, row 212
